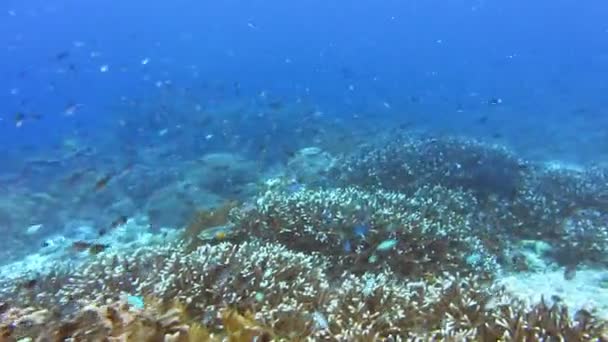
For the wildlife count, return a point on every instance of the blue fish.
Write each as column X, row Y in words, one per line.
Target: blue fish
column 361, row 230
column 347, row 246
column 294, row 187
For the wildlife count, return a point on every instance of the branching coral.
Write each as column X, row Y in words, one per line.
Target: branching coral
column 405, row 255
column 206, row 224
column 403, row 163
column 432, row 230
column 370, row 307
column 516, row 199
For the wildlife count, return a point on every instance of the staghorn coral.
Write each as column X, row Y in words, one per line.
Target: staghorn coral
column 584, row 237
column 371, row 307
column 205, row 280
column 284, row 273
column 115, row 322
column 403, row 163
column 516, row 199
column 433, row 229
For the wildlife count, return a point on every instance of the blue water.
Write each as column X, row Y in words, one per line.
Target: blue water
column 435, row 63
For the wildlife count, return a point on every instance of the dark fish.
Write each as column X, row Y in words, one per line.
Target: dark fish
column 103, row 182
column 347, row 73
column 482, row 119
column 115, row 224
column 206, row 121
column 62, row 55
column 19, row 116
column 583, row 317
column 290, row 153
column 36, row 116
column 275, row 105
column 405, row 125
column 93, row 248
column 80, row 246
column 570, row 272
column 97, row 248
column 119, row 221
column 4, row 307
column 29, row 284
column 495, row 101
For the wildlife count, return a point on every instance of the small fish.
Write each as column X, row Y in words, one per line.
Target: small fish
column 97, row 248
column 62, row 55
column 347, row 246
column 80, row 246
column 136, row 301
column 220, row 235
column 295, row 187
column 119, row 221
column 29, row 284
column 252, row 25
column 19, row 118
column 103, row 182
column 115, row 224
column 275, row 105
column 33, row 229
column 361, row 230
column 583, row 316
column 93, row 248
column 495, row 101
column 386, row 245
column 482, row 119
column 71, row 109
column 570, row 272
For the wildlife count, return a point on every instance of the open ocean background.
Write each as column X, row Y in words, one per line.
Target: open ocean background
column 437, row 64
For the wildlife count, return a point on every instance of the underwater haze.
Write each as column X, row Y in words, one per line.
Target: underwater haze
column 261, row 170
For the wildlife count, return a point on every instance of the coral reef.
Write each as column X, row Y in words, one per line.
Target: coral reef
column 310, row 165
column 268, row 292
column 429, row 231
column 404, row 163
column 516, row 199
column 208, row 225
column 404, row 243
column 585, row 237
